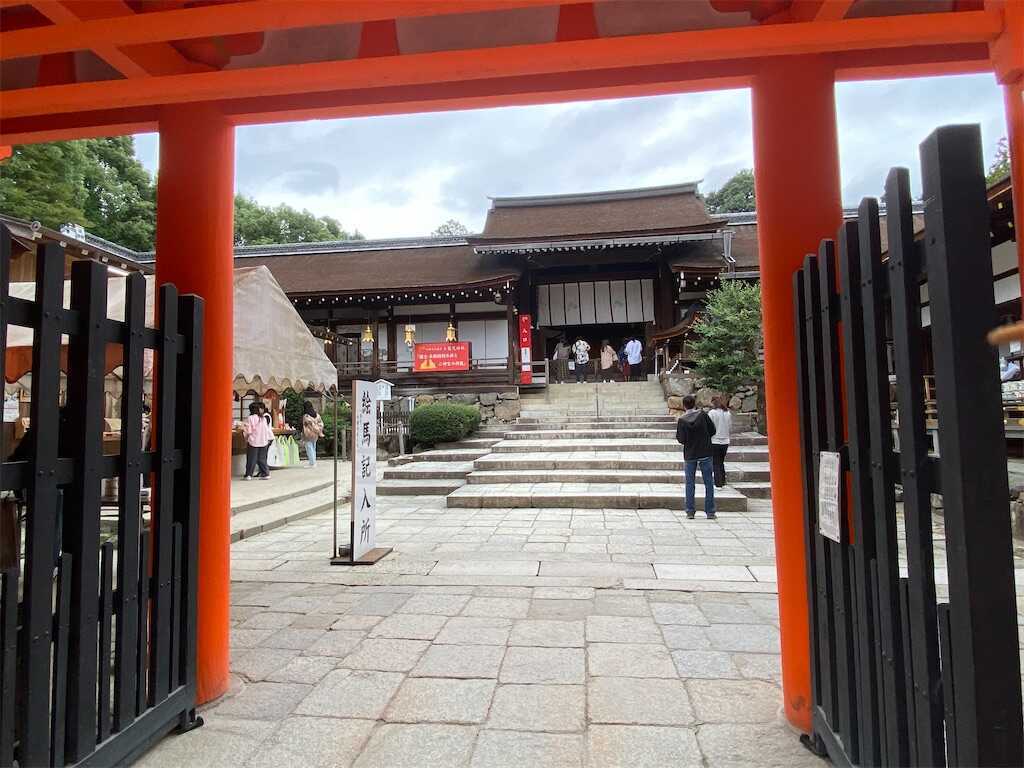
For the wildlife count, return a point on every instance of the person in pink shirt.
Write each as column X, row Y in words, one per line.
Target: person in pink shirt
column 258, row 437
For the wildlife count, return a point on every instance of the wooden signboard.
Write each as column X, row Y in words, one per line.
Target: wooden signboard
column 441, row 357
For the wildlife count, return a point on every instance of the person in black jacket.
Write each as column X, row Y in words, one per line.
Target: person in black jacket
column 694, row 431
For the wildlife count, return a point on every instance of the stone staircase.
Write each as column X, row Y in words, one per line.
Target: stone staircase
column 583, row 446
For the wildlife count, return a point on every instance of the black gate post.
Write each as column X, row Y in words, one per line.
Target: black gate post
column 984, row 652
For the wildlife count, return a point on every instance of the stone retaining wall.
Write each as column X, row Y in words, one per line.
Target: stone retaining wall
column 677, row 386
column 497, row 407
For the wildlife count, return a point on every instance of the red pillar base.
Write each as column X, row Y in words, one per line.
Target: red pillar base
column 796, row 166
column 194, row 233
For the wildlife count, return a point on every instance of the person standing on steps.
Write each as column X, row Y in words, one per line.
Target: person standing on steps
column 694, row 431
column 258, row 437
column 721, row 417
column 581, row 359
column 608, row 358
column 312, row 430
column 635, row 357
column 561, row 359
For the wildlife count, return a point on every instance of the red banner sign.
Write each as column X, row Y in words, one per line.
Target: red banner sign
column 441, row 357
column 525, row 345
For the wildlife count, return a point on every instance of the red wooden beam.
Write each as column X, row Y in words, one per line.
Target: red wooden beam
column 867, row 35
column 233, row 19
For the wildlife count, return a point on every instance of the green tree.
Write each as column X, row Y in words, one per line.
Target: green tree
column 451, row 228
column 735, row 196
column 257, row 224
column 96, row 183
column 727, row 346
column 1000, row 167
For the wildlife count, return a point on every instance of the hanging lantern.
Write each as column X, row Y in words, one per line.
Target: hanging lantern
column 367, row 334
column 450, row 334
column 410, row 335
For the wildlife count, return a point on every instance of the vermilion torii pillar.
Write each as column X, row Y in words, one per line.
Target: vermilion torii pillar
column 194, row 246
column 796, row 173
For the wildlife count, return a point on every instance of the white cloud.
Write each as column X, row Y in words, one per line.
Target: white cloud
column 403, row 175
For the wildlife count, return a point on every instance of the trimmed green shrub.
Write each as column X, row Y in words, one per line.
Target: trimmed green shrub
column 442, row 423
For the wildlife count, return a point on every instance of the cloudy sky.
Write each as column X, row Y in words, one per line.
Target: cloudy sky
column 402, row 176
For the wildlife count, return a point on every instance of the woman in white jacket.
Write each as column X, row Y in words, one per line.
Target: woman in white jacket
column 721, row 417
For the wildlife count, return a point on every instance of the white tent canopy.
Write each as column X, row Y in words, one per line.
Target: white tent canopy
column 273, row 348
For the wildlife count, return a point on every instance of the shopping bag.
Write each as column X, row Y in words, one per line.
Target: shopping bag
column 572, row 365
column 274, row 455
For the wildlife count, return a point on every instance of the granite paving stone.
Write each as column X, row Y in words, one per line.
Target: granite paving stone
column 264, row 701
column 753, row 746
column 622, row 629
column 223, row 742
column 638, row 701
column 465, row 630
column 686, row 638
column 442, row 605
column 679, row 613
column 395, row 745
column 547, row 632
column 705, row 664
column 296, row 639
column 564, row 609
column 460, row 661
column 335, row 643
column 441, row 700
column 385, row 655
column 538, row 708
column 516, row 749
column 734, row 701
column 351, row 693
column 543, row 665
column 303, row 669
column 642, row 746
column 750, row 638
column 629, row 660
column 497, row 607
column 409, row 626
column 313, row 742
column 258, row 663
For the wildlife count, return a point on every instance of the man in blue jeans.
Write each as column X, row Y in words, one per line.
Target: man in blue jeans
column 694, row 431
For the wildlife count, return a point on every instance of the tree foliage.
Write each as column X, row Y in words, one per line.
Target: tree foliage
column 257, row 224
column 96, row 183
column 100, row 185
column 735, row 196
column 451, row 228
column 1000, row 167
column 727, row 343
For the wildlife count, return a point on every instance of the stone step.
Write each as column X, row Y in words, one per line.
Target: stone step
column 470, row 442
column 734, row 473
column 755, row 490
column 451, row 454
column 574, row 432
column 649, row 445
column 599, row 421
column 608, row 461
column 417, row 487
column 430, row 470
column 625, row 496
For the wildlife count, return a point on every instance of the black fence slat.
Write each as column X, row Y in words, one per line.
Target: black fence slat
column 176, row 635
column 105, row 648
column 186, row 492
column 5, row 279
column 949, row 700
column 903, row 588
column 162, row 504
column 842, row 588
column 8, row 661
column 862, row 514
column 129, row 505
column 42, row 513
column 904, row 268
column 823, row 579
column 84, row 415
column 807, row 478
column 882, row 474
column 59, row 683
column 142, row 651
column 975, row 488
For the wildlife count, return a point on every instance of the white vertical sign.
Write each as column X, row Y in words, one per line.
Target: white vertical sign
column 364, row 467
column 829, row 478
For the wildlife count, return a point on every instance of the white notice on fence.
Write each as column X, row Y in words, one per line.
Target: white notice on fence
column 829, row 476
column 11, row 408
column 364, row 467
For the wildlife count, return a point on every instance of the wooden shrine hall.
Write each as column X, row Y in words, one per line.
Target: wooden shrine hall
column 600, row 265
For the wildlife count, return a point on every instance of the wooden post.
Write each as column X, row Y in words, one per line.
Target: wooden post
column 513, row 337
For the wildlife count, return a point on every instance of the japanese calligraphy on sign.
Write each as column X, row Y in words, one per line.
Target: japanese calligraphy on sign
column 441, row 356
column 364, row 468
column 829, row 475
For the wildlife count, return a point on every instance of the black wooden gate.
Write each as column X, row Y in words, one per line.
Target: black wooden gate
column 899, row 677
column 97, row 637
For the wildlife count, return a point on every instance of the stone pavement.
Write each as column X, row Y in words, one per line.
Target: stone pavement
column 496, row 637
